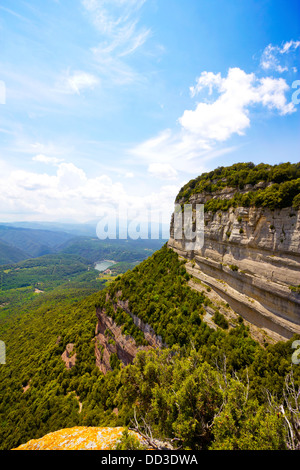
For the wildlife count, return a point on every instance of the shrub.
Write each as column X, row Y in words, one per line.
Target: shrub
column 129, row 442
column 234, row 267
column 220, row 320
column 295, row 289
column 296, row 202
column 114, row 361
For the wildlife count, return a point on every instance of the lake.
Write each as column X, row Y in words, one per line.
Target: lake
column 103, row 265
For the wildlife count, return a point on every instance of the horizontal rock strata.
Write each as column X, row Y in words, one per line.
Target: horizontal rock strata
column 251, row 258
column 109, row 339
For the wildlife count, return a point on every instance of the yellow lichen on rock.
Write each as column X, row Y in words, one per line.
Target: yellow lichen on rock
column 78, row 438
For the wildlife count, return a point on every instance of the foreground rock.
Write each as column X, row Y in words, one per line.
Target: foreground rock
column 79, row 438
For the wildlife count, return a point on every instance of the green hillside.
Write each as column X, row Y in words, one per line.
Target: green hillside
column 92, row 249
column 10, row 254
column 18, row 243
column 207, row 389
column 34, row 243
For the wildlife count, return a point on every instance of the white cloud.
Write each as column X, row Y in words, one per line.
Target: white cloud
column 289, row 45
column 229, row 113
column 43, row 152
column 213, row 122
column 70, row 177
column 207, row 79
column 71, row 194
column 272, row 56
column 162, row 171
column 48, row 160
column 271, row 93
column 76, row 82
column 67, row 193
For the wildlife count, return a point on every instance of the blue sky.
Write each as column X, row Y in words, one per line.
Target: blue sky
column 103, row 101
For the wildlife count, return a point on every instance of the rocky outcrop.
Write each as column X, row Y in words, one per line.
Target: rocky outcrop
column 69, row 356
column 80, row 438
column 251, row 258
column 110, row 342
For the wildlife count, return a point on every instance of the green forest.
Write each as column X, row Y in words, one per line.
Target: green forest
column 206, row 389
column 282, row 189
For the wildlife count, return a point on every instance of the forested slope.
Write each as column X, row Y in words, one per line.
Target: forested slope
column 10, row 254
column 209, row 388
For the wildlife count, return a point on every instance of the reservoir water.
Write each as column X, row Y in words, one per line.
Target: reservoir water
column 103, row 265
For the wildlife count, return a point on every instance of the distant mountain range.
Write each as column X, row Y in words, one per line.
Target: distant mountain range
column 21, row 241
column 10, row 254
column 17, row 244
column 85, row 229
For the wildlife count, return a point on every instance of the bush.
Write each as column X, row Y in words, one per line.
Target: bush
column 295, row 289
column 296, row 202
column 220, row 320
column 234, row 267
column 129, row 442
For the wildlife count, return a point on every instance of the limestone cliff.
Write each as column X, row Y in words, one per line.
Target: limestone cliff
column 250, row 258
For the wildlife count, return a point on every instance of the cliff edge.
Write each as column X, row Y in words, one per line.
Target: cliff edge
column 251, row 251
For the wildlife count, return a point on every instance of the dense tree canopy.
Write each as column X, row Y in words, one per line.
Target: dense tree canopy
column 282, row 189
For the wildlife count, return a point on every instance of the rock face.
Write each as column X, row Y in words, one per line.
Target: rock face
column 111, row 342
column 68, row 357
column 251, row 258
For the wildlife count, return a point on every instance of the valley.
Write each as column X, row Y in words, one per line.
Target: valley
column 149, row 229
column 172, row 341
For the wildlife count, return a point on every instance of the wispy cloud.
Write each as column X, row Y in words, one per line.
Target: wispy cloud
column 76, row 82
column 48, row 160
column 13, row 13
column 163, row 171
column 277, row 58
column 121, row 35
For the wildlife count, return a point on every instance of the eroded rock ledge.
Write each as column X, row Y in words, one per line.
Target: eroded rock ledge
column 109, row 339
